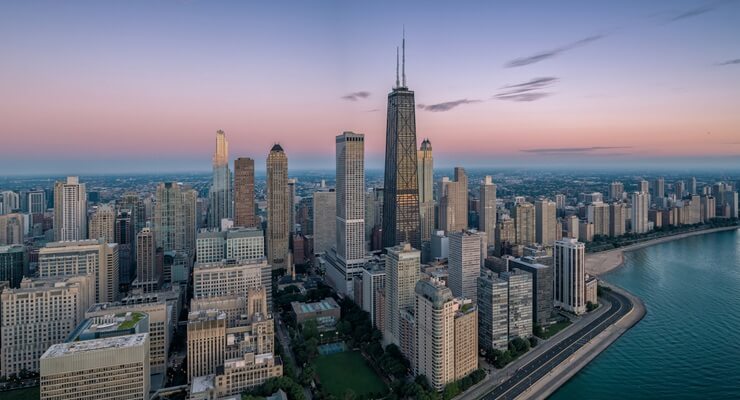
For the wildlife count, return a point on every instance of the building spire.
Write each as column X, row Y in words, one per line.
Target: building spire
column 403, row 57
column 397, row 82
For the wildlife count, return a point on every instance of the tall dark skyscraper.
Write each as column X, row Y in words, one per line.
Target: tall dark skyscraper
column 401, row 195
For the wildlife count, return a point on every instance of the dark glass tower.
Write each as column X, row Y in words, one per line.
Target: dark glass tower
column 401, row 194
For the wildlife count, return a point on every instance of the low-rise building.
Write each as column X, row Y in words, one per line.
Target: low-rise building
column 326, row 312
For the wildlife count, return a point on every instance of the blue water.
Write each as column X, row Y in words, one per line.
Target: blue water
column 688, row 344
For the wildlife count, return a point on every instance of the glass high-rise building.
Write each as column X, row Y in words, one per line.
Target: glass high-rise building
column 278, row 214
column 220, row 196
column 244, row 215
column 401, row 188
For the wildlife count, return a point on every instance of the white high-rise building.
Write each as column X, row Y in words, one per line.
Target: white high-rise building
column 70, row 210
column 231, row 277
column 640, row 206
column 487, row 219
column 350, row 192
column 402, row 268
column 9, row 201
column 466, row 251
column 598, row 214
column 545, row 222
column 569, row 275
column 91, row 257
column 102, row 224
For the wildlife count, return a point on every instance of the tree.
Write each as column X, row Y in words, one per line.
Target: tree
column 450, row 391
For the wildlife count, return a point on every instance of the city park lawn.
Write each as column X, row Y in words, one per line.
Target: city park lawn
column 554, row 328
column 345, row 371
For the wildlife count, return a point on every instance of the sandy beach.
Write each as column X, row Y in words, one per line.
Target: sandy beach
column 606, row 261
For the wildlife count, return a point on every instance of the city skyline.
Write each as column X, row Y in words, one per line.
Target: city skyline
column 583, row 85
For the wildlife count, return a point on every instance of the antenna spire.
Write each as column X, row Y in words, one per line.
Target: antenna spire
column 397, row 83
column 403, row 59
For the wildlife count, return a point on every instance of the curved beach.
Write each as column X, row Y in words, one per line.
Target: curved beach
column 603, row 262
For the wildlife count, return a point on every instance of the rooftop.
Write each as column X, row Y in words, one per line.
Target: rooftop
column 323, row 305
column 64, row 349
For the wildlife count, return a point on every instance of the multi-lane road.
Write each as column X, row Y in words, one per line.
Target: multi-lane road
column 537, row 368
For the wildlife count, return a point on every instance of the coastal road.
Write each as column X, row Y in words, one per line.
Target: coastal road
column 534, row 370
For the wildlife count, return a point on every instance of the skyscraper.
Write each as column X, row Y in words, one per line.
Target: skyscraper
column 639, row 212
column 617, row 216
column 545, row 222
column 175, row 217
column 643, row 186
column 70, row 210
column 453, row 202
column 148, row 277
column 598, row 214
column 350, row 197
column 36, row 202
column 524, row 223
column 401, row 274
column 220, row 196
column 136, row 208
column 465, row 262
column 569, row 275
column 102, row 224
column 324, row 220
column 487, row 221
column 244, row 193
column 616, row 189
column 659, row 188
column 401, row 188
column 426, row 191
column 278, row 215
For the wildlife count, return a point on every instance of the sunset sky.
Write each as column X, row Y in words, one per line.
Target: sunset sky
column 128, row 86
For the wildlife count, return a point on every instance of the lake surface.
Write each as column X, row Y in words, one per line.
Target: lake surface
column 688, row 344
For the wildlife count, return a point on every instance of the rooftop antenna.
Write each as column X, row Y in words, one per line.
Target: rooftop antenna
column 397, row 83
column 403, row 57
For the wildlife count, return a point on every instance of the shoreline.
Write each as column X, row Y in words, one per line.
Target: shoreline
column 606, row 261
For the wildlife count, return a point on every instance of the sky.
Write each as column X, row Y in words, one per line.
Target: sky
column 142, row 86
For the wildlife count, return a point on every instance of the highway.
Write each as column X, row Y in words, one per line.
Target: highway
column 531, row 372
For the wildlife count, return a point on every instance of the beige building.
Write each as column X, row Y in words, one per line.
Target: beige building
column 278, row 212
column 524, row 223
column 324, row 221
column 467, row 251
column 11, row 229
column 231, row 277
column 487, row 218
column 617, row 214
column 42, row 312
column 592, row 289
column 91, row 257
column 102, row 224
column 545, row 222
column 206, row 342
column 238, row 375
column 402, row 268
column 237, row 243
column 110, row 368
column 70, row 210
column 453, row 202
column 237, row 308
column 446, row 340
column 598, row 214
column 175, row 217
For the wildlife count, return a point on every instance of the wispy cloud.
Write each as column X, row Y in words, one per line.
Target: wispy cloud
column 527, row 91
column 581, row 150
column 446, row 106
column 547, row 54
column 693, row 12
column 354, row 96
column 730, row 62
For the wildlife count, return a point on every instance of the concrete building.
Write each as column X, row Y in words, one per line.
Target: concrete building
column 466, row 256
column 402, row 267
column 446, row 340
column 592, row 290
column 148, row 273
column 175, row 217
column 616, row 191
column 9, row 202
column 206, row 342
column 70, row 210
column 520, row 298
column 373, row 283
column 542, row 287
column 569, row 275
column 426, row 192
column 505, row 235
column 237, row 376
column 571, row 229
column 585, row 231
column 440, row 246
column 524, row 223
column 244, row 205
column 643, row 186
column 598, row 214
column 324, row 220
column 102, row 224
column 326, row 312
column 237, row 243
column 545, row 222
column 617, row 214
column 114, row 368
column 640, row 207
column 487, row 220
column 493, row 311
column 232, row 277
column 36, row 202
column 453, row 202
column 94, row 258
column 220, row 195
column 278, row 208
column 27, row 328
column 13, row 264
column 12, row 229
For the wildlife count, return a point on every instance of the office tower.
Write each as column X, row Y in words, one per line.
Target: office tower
column 13, row 264
column 453, row 202
column 446, row 335
column 571, row 224
column 148, row 276
column 487, row 221
column 640, row 208
column 373, row 211
column 679, row 188
column 136, row 208
column 350, row 198
column 617, row 214
column 593, row 197
column 505, row 235
column 585, row 231
column 292, row 182
column 70, row 210
column 466, row 249
column 542, row 285
column 175, row 218
column 493, row 311
column 373, row 293
column 324, row 220
column 426, row 194
column 658, row 190
column 643, row 186
column 402, row 266
column 244, row 211
column 117, row 367
column 440, row 246
column 560, row 202
column 401, row 187
column 304, row 215
column 160, row 323
column 97, row 259
column 11, row 229
column 220, row 194
column 237, row 244
column 616, row 189
column 9, row 202
column 520, row 291
column 569, row 275
column 28, row 328
column 598, row 214
column 206, row 342
column 692, row 186
column 708, row 208
column 125, row 237
column 545, row 221
column 229, row 277
column 36, row 202
column 524, row 223
column 102, row 224
column 278, row 213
